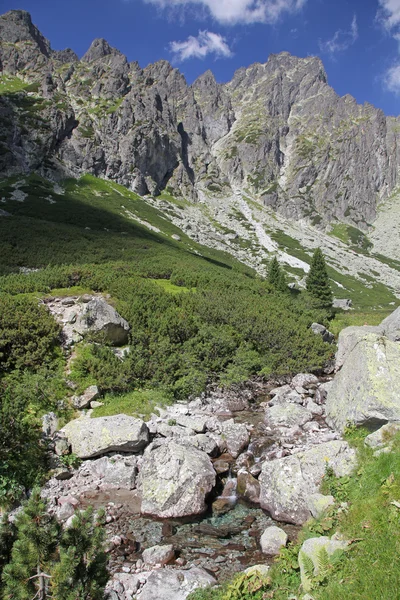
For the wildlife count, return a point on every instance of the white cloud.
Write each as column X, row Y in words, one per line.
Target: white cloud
column 202, row 45
column 342, row 40
column 389, row 14
column 392, row 79
column 232, row 12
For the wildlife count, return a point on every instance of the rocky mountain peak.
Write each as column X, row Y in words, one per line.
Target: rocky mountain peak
column 277, row 129
column 99, row 48
column 16, row 26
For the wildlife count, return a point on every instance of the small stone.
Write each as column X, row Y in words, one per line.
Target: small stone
column 318, row 503
column 158, row 555
column 96, row 404
column 257, row 569
column 272, row 540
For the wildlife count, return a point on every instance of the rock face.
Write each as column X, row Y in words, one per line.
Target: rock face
column 93, row 437
column 277, row 128
column 287, row 483
column 372, row 397
column 174, row 480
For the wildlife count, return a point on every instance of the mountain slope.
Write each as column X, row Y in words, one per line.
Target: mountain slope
column 277, row 129
column 271, row 162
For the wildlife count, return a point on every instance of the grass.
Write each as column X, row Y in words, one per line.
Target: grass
column 169, row 287
column 11, row 85
column 357, row 318
column 138, row 403
column 352, row 236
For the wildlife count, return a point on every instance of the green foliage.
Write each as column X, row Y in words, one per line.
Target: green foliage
column 7, row 538
column 70, row 460
column 81, row 571
column 274, row 272
column 317, row 281
column 32, row 553
column 28, row 334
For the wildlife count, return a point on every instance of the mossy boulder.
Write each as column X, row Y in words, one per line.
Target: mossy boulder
column 287, row 484
column 175, row 480
column 90, row 438
column 366, row 391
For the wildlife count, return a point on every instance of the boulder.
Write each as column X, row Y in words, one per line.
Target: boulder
column 289, row 415
column 197, row 422
column 158, row 555
column 383, row 437
column 312, row 549
column 343, row 303
column 83, row 401
column 372, row 397
column 304, row 380
column 93, row 437
column 202, row 442
column 248, row 487
column 287, row 483
column 318, row 503
column 100, row 319
column 272, row 540
column 235, row 436
column 321, row 330
column 174, row 480
column 175, row 585
column 390, row 327
column 348, row 340
column 49, row 424
column 261, row 570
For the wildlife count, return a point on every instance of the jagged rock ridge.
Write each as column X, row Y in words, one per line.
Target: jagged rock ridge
column 277, row 129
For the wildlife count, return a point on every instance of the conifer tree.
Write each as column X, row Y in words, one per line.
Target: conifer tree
column 317, row 281
column 276, row 276
column 81, row 573
column 274, row 272
column 27, row 574
column 281, row 285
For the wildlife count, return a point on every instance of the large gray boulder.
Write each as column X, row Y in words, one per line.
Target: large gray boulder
column 101, row 320
column 287, row 415
column 174, row 480
column 93, row 437
column 288, row 483
column 348, row 340
column 366, row 391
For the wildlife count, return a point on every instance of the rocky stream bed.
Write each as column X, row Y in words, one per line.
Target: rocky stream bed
column 200, row 482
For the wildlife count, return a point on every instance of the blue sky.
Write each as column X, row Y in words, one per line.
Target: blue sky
column 358, row 40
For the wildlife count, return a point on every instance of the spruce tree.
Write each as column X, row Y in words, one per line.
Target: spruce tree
column 276, row 276
column 317, row 281
column 274, row 272
column 27, row 574
column 81, row 573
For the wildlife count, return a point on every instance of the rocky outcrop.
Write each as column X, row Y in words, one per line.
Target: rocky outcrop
column 174, row 480
column 92, row 316
column 99, row 319
column 372, row 397
column 93, row 437
column 288, row 483
column 276, row 129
